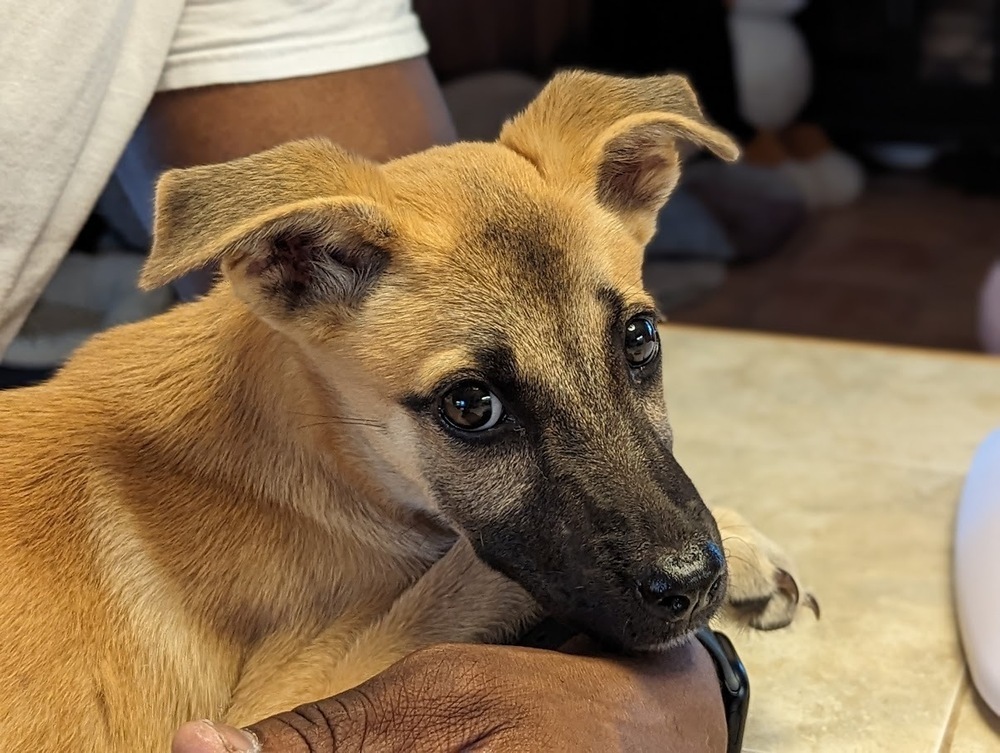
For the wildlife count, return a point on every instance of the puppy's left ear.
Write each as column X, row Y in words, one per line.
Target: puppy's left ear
column 302, row 224
column 615, row 137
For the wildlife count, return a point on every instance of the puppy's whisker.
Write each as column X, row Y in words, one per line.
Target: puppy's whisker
column 344, row 422
column 339, row 418
column 348, row 422
column 734, row 539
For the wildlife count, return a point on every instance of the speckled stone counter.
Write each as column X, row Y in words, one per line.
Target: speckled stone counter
column 852, row 457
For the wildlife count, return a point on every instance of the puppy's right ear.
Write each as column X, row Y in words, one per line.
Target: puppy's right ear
column 616, row 138
column 298, row 225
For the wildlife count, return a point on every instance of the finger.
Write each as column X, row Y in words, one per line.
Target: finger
column 313, row 728
column 210, row 737
column 431, row 701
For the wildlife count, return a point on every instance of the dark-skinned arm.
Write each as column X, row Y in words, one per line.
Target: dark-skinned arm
column 501, row 698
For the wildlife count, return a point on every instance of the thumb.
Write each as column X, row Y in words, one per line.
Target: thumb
column 211, row 737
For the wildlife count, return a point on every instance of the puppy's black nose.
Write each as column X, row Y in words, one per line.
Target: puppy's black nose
column 676, row 584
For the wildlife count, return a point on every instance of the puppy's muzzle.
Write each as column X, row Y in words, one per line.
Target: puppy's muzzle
column 678, row 585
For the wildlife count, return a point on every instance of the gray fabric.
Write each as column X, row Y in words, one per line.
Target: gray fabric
column 686, row 230
column 481, row 103
column 676, row 283
column 759, row 208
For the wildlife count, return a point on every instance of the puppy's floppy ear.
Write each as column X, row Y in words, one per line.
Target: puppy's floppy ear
column 616, row 137
column 296, row 225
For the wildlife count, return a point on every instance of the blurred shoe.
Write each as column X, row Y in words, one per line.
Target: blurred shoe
column 827, row 176
column 831, row 180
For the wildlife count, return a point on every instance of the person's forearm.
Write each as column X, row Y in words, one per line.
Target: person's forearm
column 504, row 699
column 379, row 112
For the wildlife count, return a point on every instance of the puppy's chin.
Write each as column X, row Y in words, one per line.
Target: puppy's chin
column 657, row 648
column 652, row 637
column 638, row 647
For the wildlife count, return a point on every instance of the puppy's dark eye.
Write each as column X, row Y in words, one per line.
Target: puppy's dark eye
column 642, row 343
column 471, row 406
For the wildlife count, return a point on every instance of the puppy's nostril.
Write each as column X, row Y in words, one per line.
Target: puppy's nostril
column 659, row 592
column 678, row 605
column 656, row 587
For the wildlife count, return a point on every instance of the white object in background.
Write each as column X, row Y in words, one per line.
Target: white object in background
column 977, row 570
column 774, row 80
column 989, row 311
column 772, row 66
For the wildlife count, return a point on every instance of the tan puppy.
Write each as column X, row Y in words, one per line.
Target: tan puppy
column 253, row 501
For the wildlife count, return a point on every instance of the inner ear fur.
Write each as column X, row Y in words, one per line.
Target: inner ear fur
column 329, row 251
column 617, row 137
column 303, row 221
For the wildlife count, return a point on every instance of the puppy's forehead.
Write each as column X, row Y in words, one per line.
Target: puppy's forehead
column 487, row 206
column 505, row 262
column 452, row 179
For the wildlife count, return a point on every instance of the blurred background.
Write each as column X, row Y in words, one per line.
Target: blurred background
column 867, row 205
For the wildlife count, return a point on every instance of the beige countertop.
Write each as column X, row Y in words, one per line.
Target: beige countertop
column 853, row 458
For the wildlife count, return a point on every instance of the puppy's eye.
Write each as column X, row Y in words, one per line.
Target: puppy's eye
column 642, row 343
column 471, row 406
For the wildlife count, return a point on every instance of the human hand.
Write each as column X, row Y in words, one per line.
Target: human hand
column 501, row 698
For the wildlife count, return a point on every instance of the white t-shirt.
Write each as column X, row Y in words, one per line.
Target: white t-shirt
column 76, row 78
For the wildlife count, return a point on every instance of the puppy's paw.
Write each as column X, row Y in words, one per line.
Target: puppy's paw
column 763, row 590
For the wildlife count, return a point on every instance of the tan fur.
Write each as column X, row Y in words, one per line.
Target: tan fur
column 224, row 511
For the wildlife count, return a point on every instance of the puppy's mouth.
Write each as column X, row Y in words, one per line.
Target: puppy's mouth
column 629, row 610
column 626, row 625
